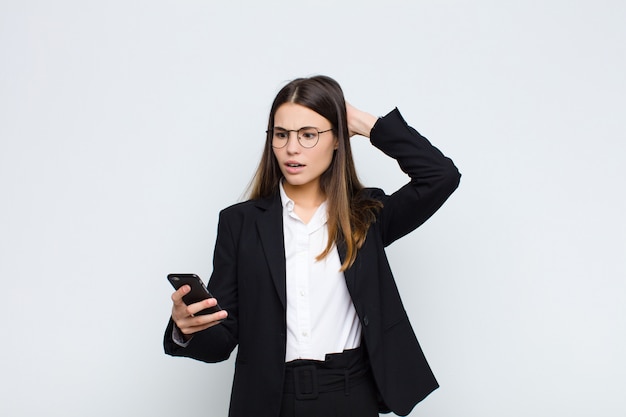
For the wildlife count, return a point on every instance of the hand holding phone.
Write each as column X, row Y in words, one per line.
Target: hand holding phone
column 194, row 309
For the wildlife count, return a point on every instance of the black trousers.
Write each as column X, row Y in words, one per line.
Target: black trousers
column 340, row 386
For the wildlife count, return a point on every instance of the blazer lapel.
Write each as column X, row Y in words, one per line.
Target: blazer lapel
column 270, row 228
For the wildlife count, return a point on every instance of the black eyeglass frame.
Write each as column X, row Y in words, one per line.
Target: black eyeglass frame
column 288, row 131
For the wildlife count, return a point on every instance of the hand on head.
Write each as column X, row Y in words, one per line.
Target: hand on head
column 359, row 122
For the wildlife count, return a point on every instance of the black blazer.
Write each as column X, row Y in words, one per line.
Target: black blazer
column 248, row 280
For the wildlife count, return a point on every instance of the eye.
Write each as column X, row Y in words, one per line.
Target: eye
column 308, row 134
column 280, row 134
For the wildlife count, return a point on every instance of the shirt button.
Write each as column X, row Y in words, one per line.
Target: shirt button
column 366, row 321
column 305, row 334
column 302, row 293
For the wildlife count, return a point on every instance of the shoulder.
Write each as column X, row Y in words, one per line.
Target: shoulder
column 249, row 207
column 240, row 207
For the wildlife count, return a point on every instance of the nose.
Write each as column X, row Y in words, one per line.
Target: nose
column 293, row 144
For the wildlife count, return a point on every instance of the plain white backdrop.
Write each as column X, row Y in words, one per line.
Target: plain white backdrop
column 125, row 126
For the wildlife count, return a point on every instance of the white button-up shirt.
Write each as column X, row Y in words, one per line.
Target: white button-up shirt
column 321, row 317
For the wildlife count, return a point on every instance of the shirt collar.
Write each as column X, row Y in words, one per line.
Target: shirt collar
column 284, row 199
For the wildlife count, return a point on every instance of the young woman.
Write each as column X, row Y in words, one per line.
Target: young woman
column 301, row 273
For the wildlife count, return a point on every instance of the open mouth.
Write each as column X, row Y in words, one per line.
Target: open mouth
column 294, row 165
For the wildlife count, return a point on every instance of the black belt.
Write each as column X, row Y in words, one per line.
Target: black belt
column 308, row 378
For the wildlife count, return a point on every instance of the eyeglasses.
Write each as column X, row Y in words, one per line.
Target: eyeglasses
column 307, row 136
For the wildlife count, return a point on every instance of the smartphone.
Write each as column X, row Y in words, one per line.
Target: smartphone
column 198, row 291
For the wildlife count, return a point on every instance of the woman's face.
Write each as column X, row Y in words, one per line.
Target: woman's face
column 301, row 166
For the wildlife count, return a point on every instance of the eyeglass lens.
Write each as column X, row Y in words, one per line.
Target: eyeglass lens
column 307, row 136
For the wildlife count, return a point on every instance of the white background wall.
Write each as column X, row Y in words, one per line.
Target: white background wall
column 126, row 125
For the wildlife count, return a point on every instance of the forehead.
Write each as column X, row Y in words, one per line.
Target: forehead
column 295, row 116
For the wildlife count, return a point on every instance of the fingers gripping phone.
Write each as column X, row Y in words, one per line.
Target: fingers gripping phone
column 198, row 291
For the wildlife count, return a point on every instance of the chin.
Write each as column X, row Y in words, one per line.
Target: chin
column 296, row 182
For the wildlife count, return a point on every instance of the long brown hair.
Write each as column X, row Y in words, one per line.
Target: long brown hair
column 351, row 213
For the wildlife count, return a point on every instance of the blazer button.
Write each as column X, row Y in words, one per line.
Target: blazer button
column 366, row 321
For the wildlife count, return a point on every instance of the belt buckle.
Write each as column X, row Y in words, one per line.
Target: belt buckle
column 305, row 377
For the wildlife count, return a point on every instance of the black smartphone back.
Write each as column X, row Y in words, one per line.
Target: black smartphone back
column 198, row 291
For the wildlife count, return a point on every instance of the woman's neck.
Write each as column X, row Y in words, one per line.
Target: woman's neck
column 307, row 198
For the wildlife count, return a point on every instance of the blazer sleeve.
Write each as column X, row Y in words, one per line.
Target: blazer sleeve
column 433, row 177
column 216, row 343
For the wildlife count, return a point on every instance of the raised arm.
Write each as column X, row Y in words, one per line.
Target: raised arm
column 433, row 176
